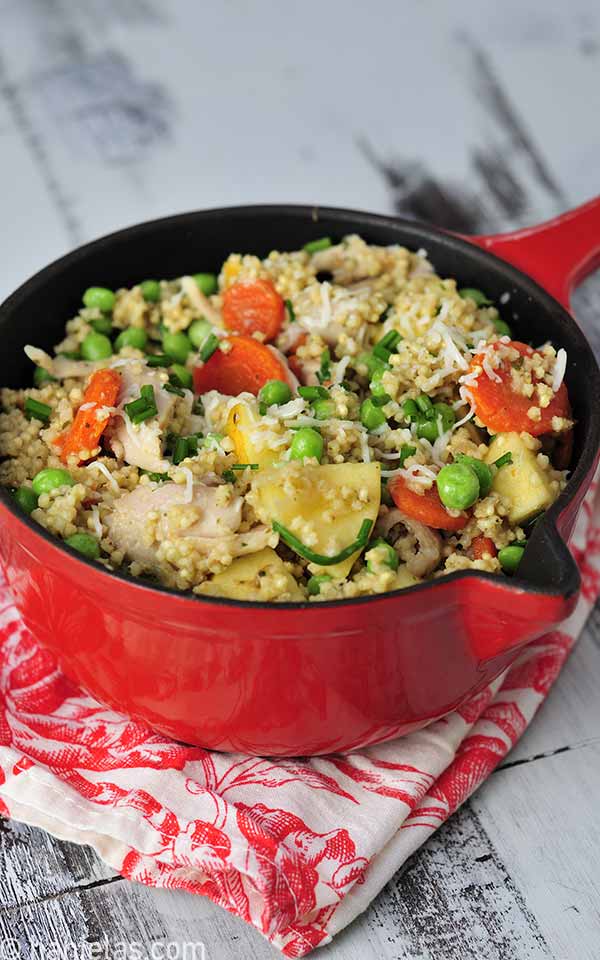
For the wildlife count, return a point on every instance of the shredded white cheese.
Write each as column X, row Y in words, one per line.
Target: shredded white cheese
column 340, row 370
column 97, row 465
column 290, row 409
column 188, row 493
column 97, row 522
column 560, row 367
column 88, row 406
column 416, row 473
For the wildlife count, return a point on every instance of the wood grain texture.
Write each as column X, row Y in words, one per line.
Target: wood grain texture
column 112, row 113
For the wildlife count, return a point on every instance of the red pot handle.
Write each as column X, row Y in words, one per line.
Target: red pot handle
column 558, row 254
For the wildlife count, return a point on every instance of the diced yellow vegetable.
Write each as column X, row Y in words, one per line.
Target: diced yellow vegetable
column 244, row 429
column 259, row 576
column 523, row 483
column 323, row 506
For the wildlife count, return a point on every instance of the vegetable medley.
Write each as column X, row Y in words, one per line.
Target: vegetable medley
column 326, row 423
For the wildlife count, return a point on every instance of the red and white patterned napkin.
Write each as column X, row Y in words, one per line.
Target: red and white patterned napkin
column 296, row 847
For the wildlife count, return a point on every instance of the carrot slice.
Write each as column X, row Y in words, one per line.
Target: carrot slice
column 86, row 430
column 503, row 410
column 425, row 507
column 483, row 545
column 246, row 367
column 253, row 308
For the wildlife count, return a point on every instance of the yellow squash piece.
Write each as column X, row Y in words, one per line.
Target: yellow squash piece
column 244, row 429
column 324, row 506
column 259, row 576
column 523, row 483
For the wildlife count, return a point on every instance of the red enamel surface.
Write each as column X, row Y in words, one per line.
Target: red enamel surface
column 270, row 681
column 558, row 254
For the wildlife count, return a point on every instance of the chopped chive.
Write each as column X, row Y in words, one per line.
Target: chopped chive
column 262, row 408
column 406, row 451
column 144, row 407
column 325, row 369
column 504, row 460
column 313, row 393
column 34, row 410
column 381, row 352
column 171, row 388
column 244, row 466
column 229, row 476
column 155, row 477
column 290, row 309
column 410, row 409
column 208, row 347
column 381, row 400
column 321, row 559
column 315, row 245
column 424, row 404
column 181, row 450
column 158, row 360
column 390, row 341
column 198, row 407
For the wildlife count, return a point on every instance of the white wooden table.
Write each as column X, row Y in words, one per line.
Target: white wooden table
column 475, row 115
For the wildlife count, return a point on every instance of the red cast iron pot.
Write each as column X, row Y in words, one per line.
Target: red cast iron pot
column 290, row 679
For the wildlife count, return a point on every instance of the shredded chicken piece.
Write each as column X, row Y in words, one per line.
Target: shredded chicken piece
column 213, row 519
column 62, row 367
column 141, row 444
column 200, row 302
column 419, row 546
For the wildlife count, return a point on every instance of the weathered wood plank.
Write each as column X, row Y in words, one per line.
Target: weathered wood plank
column 542, row 817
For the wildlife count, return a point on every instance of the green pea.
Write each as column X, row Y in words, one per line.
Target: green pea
column 510, row 557
column 41, row 376
column 198, row 331
column 376, row 386
column 457, row 486
column 206, row 283
column 183, row 375
column 150, row 290
column 306, row 443
column 471, row 293
column 100, row 297
column 26, row 498
column 323, row 409
column 502, row 328
column 49, row 479
column 371, row 416
column 102, row 325
column 484, row 474
column 275, row 392
column 132, row 337
column 177, row 346
column 85, row 544
column 314, row 584
column 96, row 346
column 442, row 415
column 390, row 556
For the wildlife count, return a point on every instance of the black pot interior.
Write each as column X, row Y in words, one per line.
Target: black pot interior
column 194, row 242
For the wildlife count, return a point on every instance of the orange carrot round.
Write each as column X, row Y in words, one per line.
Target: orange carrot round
column 503, row 410
column 86, row 430
column 482, row 545
column 253, row 308
column 425, row 507
column 245, row 367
